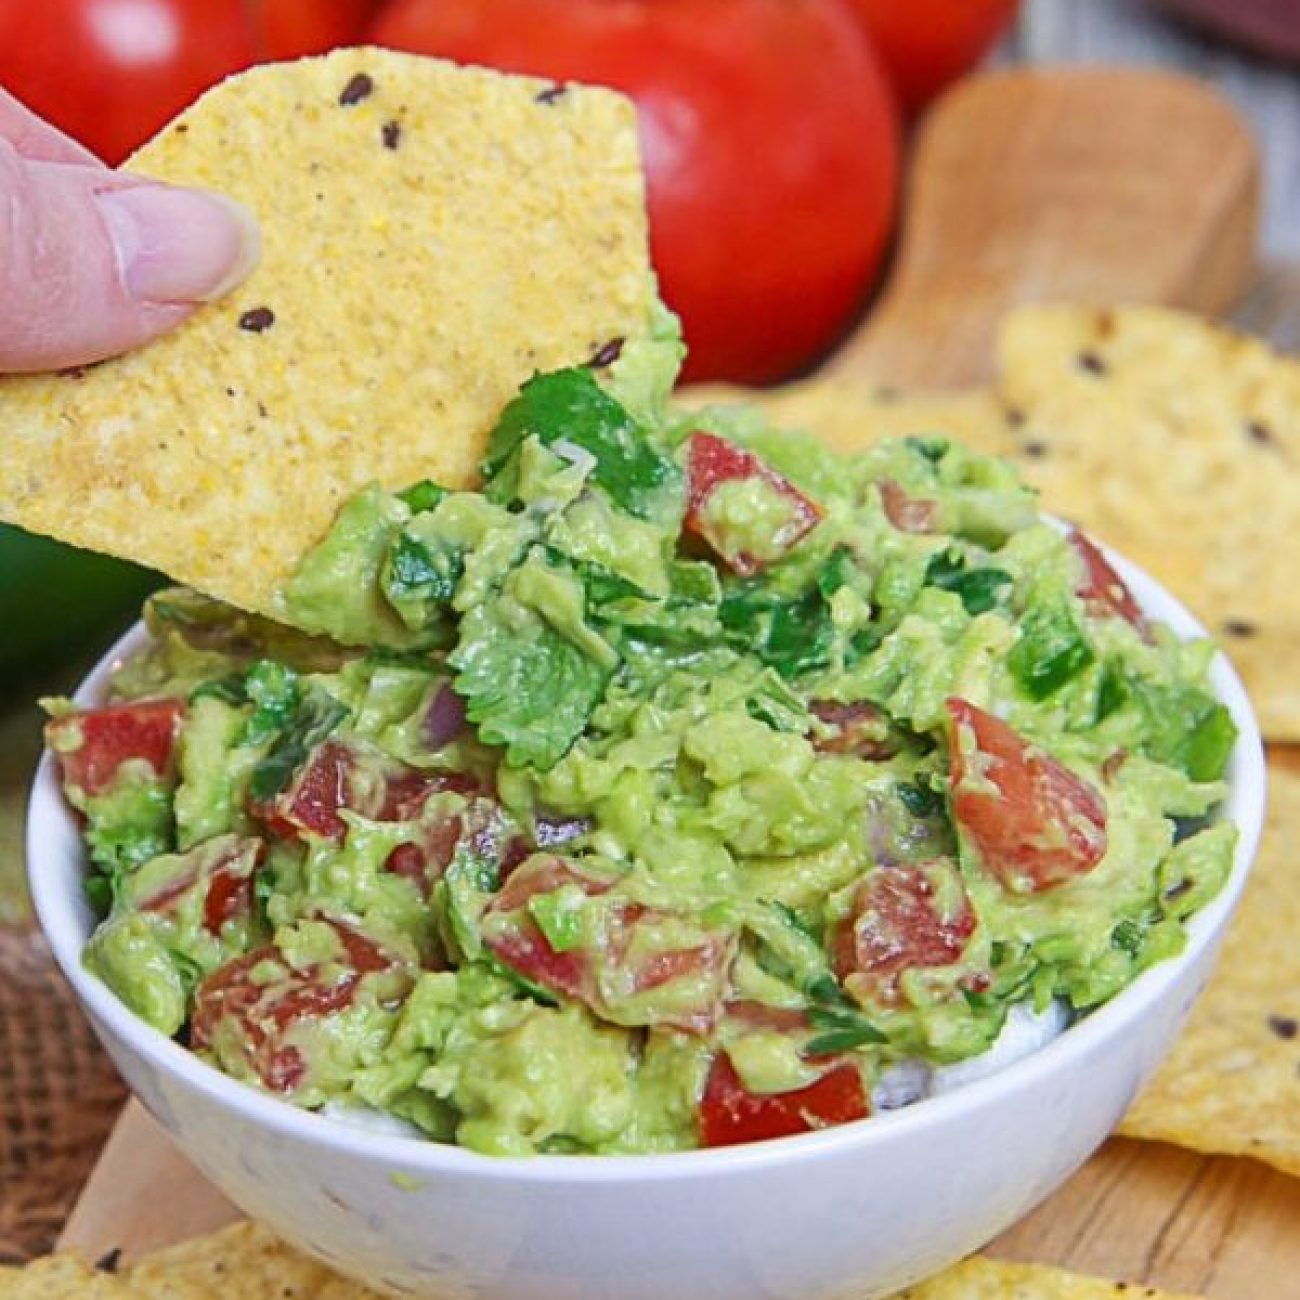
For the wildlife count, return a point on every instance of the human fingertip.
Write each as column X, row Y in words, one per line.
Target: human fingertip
column 178, row 246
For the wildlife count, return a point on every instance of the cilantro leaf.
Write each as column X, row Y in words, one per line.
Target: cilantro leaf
column 1050, row 650
column 530, row 689
column 1188, row 729
column 570, row 406
column 272, row 689
column 920, row 798
column 422, row 496
column 843, row 1030
column 419, row 580
column 791, row 636
column 317, row 715
column 689, row 615
column 979, row 590
column 229, row 690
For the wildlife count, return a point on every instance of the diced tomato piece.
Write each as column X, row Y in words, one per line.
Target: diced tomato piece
column 1033, row 823
column 860, row 729
column 230, row 894
column 1102, row 590
column 758, row 1015
column 407, row 861
column 405, row 792
column 223, row 869
column 907, row 514
column 543, row 874
column 92, row 745
column 652, row 970
column 712, row 461
column 730, row 1114
column 479, row 826
column 523, row 946
column 613, row 968
column 903, row 918
column 364, row 954
column 331, row 779
column 261, row 1011
column 310, row 803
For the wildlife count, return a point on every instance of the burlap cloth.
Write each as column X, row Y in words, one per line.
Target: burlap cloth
column 59, row 1096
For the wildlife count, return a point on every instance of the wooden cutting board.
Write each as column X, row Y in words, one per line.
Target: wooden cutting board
column 1087, row 186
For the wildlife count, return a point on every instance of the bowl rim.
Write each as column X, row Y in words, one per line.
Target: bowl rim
column 64, row 920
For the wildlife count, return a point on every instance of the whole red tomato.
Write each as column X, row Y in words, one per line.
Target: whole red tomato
column 290, row 28
column 112, row 72
column 770, row 145
column 925, row 44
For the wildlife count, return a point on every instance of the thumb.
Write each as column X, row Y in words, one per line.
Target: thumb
column 94, row 262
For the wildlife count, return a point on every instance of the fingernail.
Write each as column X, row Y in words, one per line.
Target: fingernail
column 176, row 245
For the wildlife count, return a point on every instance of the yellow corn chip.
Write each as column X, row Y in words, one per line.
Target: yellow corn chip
column 1232, row 1082
column 432, row 236
column 246, row 1261
column 1177, row 442
column 242, row 1260
column 849, row 418
column 990, row 1279
column 63, row 1277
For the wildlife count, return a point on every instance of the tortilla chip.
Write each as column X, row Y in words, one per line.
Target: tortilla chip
column 1232, row 1082
column 62, row 1277
column 248, row 1261
column 1178, row 443
column 849, row 418
column 432, row 236
column 990, row 1279
column 242, row 1260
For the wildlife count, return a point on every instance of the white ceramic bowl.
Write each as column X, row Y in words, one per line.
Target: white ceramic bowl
column 858, row 1210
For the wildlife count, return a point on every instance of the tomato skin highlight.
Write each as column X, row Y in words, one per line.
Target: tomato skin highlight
column 1102, row 590
column 289, row 29
column 897, row 924
column 111, row 736
column 1033, row 823
column 227, row 882
column 770, row 144
column 926, row 45
column 730, row 1114
column 111, row 73
column 260, row 1012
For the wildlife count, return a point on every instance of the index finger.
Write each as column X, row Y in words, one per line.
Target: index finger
column 35, row 139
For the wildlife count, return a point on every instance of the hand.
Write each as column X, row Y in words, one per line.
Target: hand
column 94, row 262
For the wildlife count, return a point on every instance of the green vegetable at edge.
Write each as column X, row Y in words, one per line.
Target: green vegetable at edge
column 57, row 602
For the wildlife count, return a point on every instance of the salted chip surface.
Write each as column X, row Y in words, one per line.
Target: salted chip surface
column 1232, row 1082
column 432, row 236
column 63, row 1277
column 991, row 1279
column 248, row 1261
column 1177, row 441
column 241, row 1260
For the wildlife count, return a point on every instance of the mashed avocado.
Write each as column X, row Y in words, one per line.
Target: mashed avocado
column 676, row 789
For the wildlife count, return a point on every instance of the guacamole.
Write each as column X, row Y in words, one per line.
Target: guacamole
column 686, row 785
